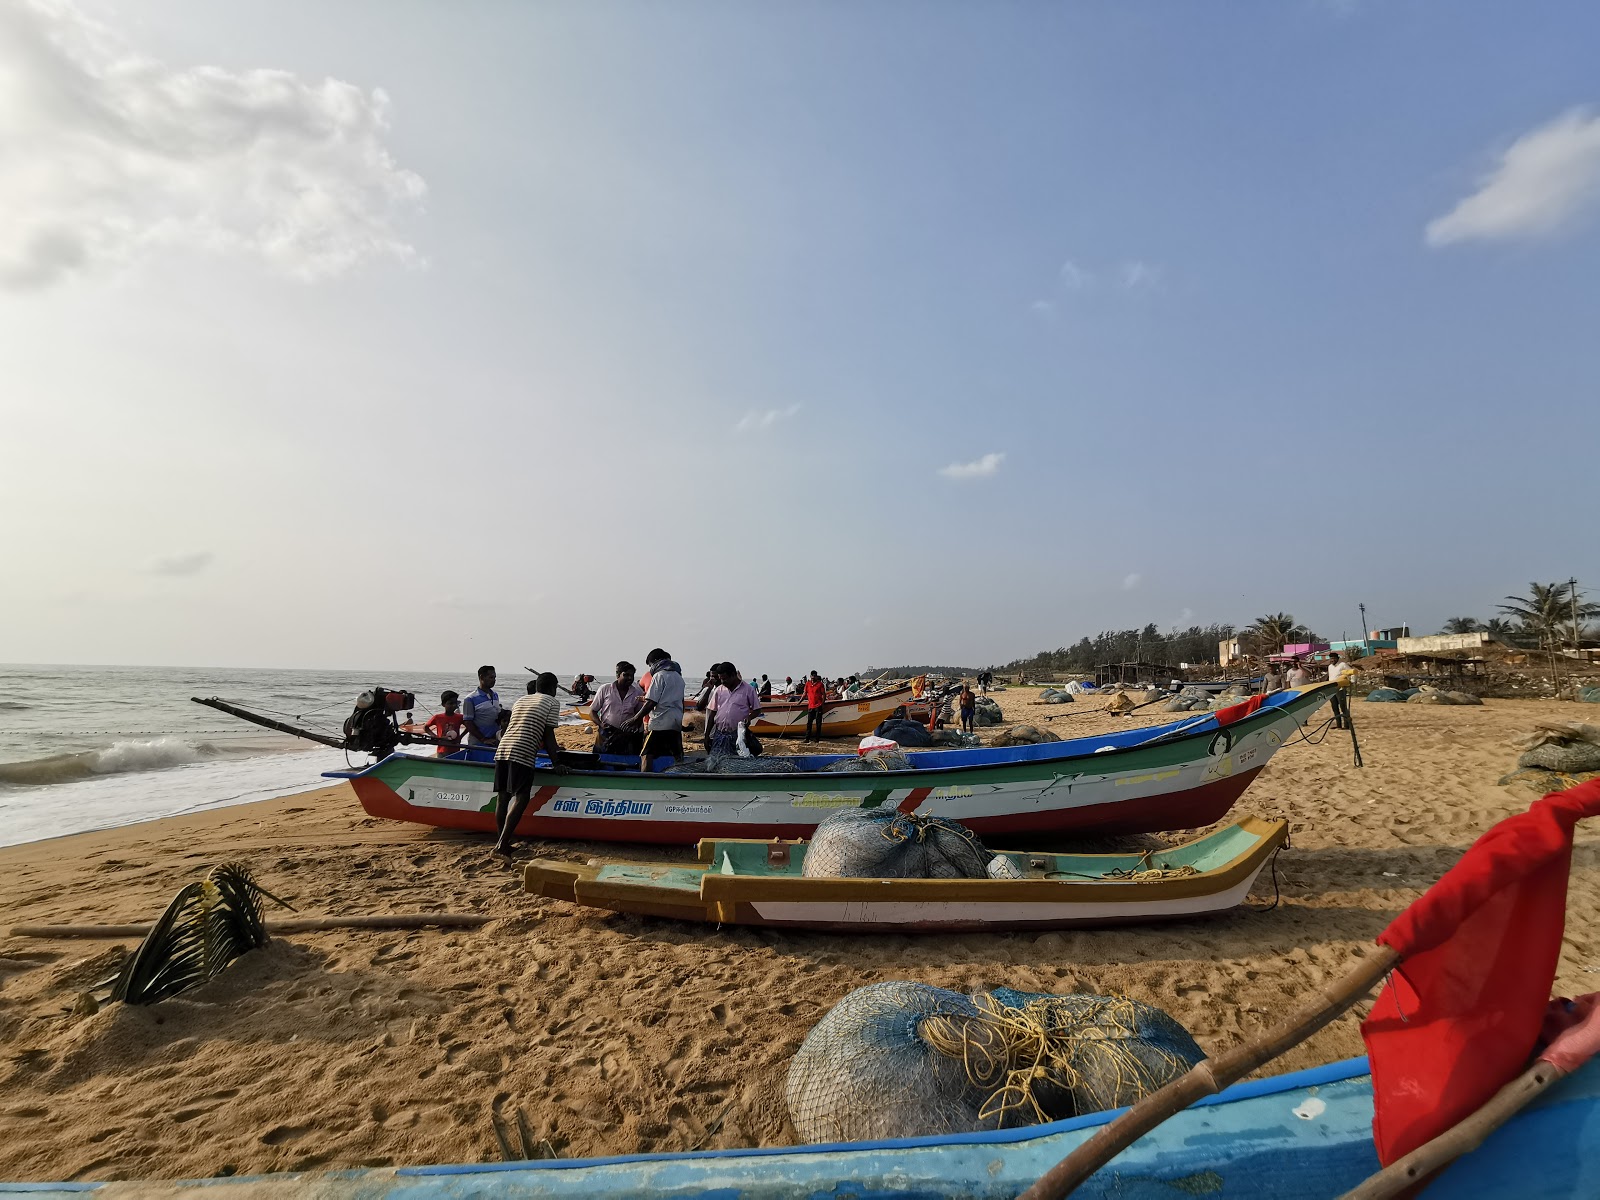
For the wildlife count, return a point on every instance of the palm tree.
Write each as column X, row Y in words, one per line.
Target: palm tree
column 1547, row 612
column 1499, row 627
column 1272, row 631
column 1462, row 625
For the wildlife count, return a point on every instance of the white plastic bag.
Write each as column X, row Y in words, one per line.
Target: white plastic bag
column 738, row 742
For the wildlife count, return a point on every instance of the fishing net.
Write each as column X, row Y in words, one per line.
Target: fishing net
column 905, row 733
column 883, row 843
column 909, row 1060
column 878, row 760
column 732, row 764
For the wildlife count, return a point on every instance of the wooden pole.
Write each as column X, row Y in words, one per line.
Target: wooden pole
column 292, row 925
column 1209, row 1077
column 244, row 714
column 1460, row 1139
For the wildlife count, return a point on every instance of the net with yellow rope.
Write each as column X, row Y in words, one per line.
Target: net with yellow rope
column 907, row 1059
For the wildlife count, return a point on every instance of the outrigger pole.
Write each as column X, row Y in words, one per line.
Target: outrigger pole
column 245, row 714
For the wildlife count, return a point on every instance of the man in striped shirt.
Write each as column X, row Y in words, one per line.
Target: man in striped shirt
column 532, row 728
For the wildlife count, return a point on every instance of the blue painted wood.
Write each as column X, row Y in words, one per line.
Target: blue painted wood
column 1305, row 1135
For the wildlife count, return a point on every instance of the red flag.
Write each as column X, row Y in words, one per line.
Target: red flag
column 1461, row 1015
column 1239, row 711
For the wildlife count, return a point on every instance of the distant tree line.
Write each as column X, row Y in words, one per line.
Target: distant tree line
column 1196, row 644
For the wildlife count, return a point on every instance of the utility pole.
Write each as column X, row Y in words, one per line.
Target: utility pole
column 1365, row 649
column 1577, row 631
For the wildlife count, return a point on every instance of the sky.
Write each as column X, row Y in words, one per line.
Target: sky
column 400, row 334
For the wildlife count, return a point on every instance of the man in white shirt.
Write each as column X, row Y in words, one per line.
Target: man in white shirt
column 1299, row 677
column 1337, row 670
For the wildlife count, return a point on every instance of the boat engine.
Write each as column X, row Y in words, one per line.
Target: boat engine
column 373, row 726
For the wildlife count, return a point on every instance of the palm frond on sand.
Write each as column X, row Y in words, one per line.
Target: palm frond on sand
column 209, row 923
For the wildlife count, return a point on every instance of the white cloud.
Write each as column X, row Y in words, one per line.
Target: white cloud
column 1186, row 616
column 1131, row 581
column 765, row 420
column 181, row 564
column 1545, row 181
column 1075, row 278
column 1043, row 309
column 109, row 154
column 1134, row 275
column 979, row 468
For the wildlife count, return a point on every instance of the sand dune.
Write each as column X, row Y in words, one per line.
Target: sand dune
column 619, row 1035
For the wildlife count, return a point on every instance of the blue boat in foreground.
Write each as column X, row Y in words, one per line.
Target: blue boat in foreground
column 1306, row 1135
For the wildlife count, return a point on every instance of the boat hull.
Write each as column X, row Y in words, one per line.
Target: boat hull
column 1306, row 1135
column 1185, row 778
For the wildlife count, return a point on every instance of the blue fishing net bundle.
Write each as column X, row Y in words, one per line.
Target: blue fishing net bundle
column 884, row 843
column 907, row 1059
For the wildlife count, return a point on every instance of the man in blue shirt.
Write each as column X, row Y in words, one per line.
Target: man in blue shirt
column 482, row 711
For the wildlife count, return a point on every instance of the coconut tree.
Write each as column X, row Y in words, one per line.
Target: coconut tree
column 1500, row 628
column 1272, row 631
column 1547, row 612
column 1462, row 625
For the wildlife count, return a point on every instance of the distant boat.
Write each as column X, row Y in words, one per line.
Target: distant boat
column 851, row 716
column 760, row 883
column 1183, row 775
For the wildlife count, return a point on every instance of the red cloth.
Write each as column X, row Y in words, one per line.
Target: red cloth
column 1239, row 711
column 1461, row 1015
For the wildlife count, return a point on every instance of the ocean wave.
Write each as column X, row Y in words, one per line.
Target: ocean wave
column 14, row 706
column 116, row 759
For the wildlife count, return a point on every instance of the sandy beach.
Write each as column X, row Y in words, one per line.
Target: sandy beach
column 621, row 1035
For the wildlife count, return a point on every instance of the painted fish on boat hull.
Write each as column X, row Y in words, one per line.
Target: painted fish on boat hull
column 1179, row 776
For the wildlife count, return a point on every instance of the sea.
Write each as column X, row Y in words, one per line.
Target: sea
column 96, row 747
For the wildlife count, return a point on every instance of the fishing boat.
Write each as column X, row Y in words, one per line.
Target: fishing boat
column 1182, row 775
column 848, row 717
column 1307, row 1134
column 744, row 882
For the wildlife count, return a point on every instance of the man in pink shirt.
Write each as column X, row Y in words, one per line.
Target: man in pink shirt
column 733, row 702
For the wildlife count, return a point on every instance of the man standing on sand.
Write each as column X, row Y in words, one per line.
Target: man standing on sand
column 1337, row 673
column 614, row 709
column 816, row 697
column 481, row 711
column 733, row 704
column 662, row 708
column 532, row 728
column 1299, row 677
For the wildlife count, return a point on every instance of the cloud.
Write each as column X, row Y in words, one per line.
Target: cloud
column 1043, row 309
column 980, row 468
column 110, row 155
column 1186, row 616
column 1545, row 181
column 1131, row 581
column 754, row 419
column 178, row 565
column 1135, row 275
column 1075, row 278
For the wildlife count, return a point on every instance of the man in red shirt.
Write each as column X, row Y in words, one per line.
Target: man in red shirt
column 449, row 726
column 816, row 697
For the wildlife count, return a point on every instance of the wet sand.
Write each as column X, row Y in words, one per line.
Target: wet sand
column 621, row 1035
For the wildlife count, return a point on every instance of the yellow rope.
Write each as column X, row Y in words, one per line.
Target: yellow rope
column 1009, row 1052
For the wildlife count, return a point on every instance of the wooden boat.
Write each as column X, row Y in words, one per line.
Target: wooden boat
column 850, row 717
column 760, row 883
column 1182, row 775
column 1307, row 1135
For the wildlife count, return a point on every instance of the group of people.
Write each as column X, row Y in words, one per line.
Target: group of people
column 1299, row 676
